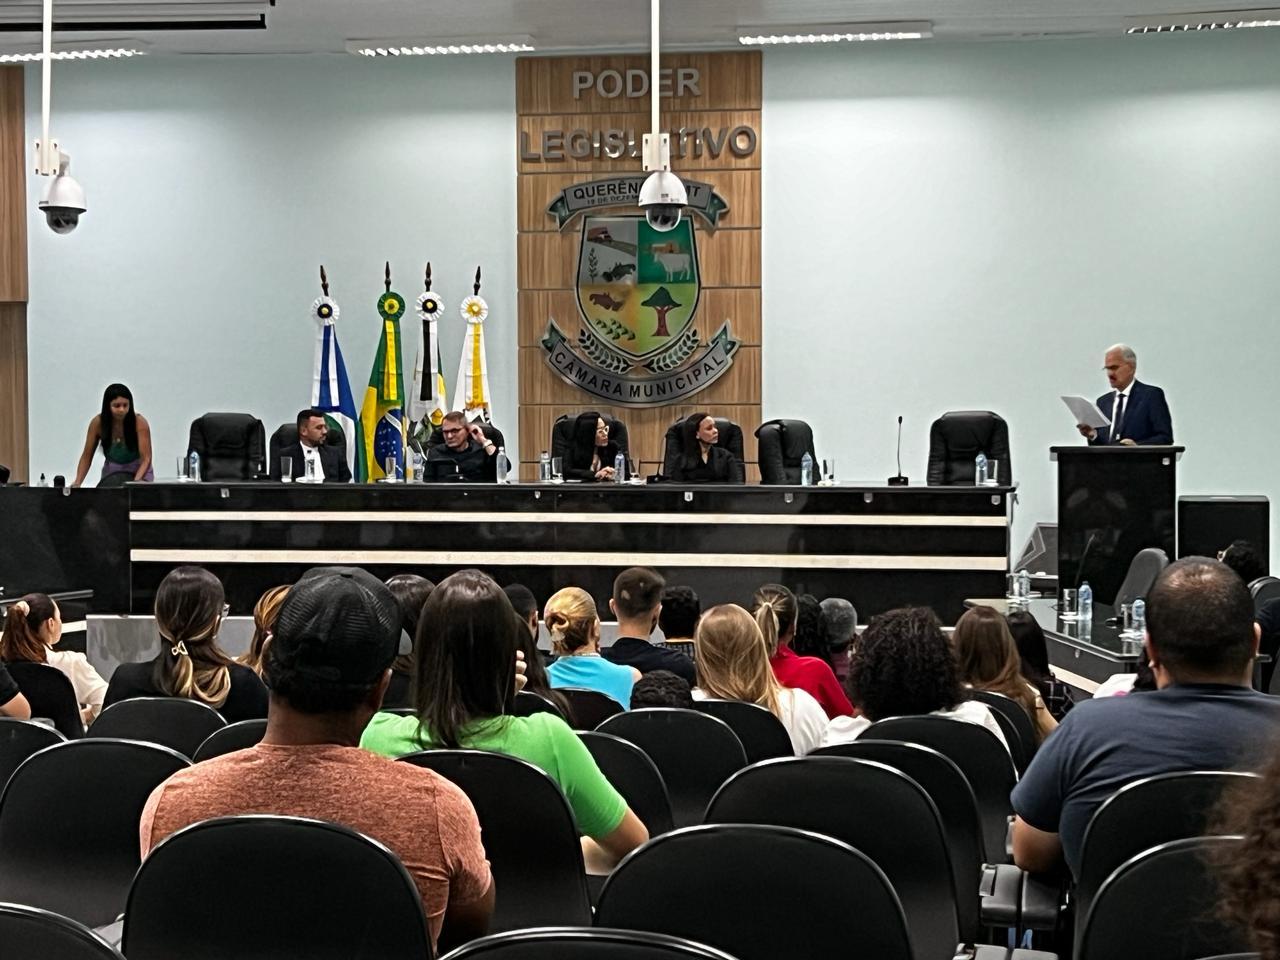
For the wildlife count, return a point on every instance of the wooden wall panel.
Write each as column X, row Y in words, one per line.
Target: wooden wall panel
column 13, row 389
column 13, row 187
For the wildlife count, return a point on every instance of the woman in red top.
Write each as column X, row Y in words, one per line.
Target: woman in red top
column 775, row 607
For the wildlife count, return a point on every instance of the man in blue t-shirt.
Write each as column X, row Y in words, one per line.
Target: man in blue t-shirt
column 1201, row 641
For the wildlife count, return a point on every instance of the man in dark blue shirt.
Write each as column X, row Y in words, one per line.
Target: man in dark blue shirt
column 637, row 603
column 1204, row 715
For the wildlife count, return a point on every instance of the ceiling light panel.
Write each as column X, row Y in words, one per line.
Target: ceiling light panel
column 440, row 46
column 1208, row 20
column 835, row 33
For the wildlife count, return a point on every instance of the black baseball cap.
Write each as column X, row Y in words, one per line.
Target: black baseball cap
column 339, row 625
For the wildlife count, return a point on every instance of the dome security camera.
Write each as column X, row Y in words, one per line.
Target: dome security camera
column 64, row 202
column 663, row 198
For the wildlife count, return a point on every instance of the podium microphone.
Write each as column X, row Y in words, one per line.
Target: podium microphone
column 899, row 480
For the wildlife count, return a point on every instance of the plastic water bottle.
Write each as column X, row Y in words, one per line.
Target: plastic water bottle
column 544, row 467
column 1139, row 618
column 1084, row 603
column 43, row 482
column 501, row 464
column 420, row 466
column 1024, row 584
column 979, row 469
column 619, row 468
column 806, row 470
column 193, row 466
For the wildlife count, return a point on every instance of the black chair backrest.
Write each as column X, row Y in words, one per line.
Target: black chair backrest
column 956, row 439
column 1264, row 589
column 35, row 933
column 19, row 739
column 1162, row 903
column 981, row 757
column 229, row 739
column 582, row 943
column 1015, row 723
column 532, row 844
column 562, row 434
column 588, row 708
column 488, row 429
column 1143, row 570
column 950, row 792
column 721, row 885
column 634, row 776
column 232, row 446
column 287, row 434
column 1145, row 814
column 695, row 753
column 528, row 703
column 258, row 883
column 782, row 445
column 730, row 438
column 877, row 810
column 762, row 734
column 94, row 792
column 51, row 695
column 174, row 722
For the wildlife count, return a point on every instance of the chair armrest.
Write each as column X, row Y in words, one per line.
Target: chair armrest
column 1000, row 894
column 1042, row 902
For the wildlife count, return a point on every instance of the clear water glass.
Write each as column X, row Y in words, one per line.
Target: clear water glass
column 1068, row 598
column 286, row 469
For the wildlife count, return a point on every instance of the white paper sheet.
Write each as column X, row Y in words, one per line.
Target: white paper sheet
column 1086, row 412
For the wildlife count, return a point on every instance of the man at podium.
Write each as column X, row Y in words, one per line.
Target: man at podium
column 1138, row 412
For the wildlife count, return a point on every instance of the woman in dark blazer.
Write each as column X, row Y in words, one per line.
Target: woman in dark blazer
column 591, row 450
column 700, row 460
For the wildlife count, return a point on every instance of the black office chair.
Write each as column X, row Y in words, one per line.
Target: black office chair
column 562, row 434
column 493, row 434
column 528, row 703
column 229, row 739
column 583, row 943
column 287, row 434
column 19, row 739
column 1143, row 570
column 1162, row 903
column 266, row 886
column 782, row 445
column 69, row 825
column 51, row 695
column 633, row 775
column 174, row 722
column 762, row 734
column 588, row 708
column 730, row 438
column 1142, row 815
column 981, row 757
column 232, row 446
column 532, row 845
column 955, row 440
column 1264, row 589
column 694, row 752
column 1015, row 723
column 720, row 885
column 117, row 479
column 35, row 933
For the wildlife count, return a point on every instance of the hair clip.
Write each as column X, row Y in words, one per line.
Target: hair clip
column 179, row 648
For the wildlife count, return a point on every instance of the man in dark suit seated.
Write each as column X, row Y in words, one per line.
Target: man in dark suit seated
column 1139, row 412
column 329, row 465
column 466, row 453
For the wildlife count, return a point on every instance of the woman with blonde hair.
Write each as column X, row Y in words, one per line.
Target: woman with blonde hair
column 734, row 665
column 32, row 628
column 776, row 611
column 571, row 619
column 987, row 659
column 265, row 612
column 189, row 613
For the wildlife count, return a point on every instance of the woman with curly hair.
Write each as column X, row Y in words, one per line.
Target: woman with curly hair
column 903, row 667
column 1249, row 873
column 987, row 659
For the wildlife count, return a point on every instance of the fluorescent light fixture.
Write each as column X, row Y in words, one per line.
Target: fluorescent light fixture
column 836, row 33
column 104, row 51
column 1195, row 22
column 440, row 46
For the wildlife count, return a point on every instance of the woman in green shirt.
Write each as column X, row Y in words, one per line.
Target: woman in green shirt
column 124, row 436
column 465, row 662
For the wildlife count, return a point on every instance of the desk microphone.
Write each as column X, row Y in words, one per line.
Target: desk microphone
column 899, row 480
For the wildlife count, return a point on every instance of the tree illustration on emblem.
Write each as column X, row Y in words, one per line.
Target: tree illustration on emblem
column 662, row 303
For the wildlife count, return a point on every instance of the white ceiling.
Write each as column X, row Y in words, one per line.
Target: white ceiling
column 325, row 26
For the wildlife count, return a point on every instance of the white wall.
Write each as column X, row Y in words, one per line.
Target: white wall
column 970, row 226
column 216, row 186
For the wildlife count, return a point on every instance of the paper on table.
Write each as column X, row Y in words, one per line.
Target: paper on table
column 1086, row 412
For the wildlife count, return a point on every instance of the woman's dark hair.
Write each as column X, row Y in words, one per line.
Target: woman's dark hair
column 411, row 592
column 464, row 657
column 1249, row 873
column 188, row 615
column 115, row 391
column 811, row 631
column 1028, row 636
column 690, row 449
column 1243, row 557
column 774, row 607
column 582, row 444
column 902, row 666
column 20, row 640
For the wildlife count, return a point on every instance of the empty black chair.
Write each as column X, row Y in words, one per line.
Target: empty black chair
column 286, row 435
column 35, row 933
column 263, row 886
column 1143, row 570
column 174, row 722
column 583, row 943
column 783, row 443
column 694, row 752
column 232, row 446
column 532, row 844
column 229, row 739
column 69, row 825
column 562, row 434
column 956, row 439
column 721, row 884
column 588, row 708
column 1142, row 815
column 528, row 703
column 1015, row 723
column 730, row 438
column 1162, row 903
column 634, row 776
column 762, row 734
column 980, row 756
column 19, row 739
column 51, row 695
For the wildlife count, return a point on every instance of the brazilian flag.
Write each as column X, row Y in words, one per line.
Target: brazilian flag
column 380, row 429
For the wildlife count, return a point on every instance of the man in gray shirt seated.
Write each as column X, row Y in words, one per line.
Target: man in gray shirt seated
column 1204, row 715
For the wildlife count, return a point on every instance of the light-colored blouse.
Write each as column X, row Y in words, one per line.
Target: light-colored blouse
column 88, row 683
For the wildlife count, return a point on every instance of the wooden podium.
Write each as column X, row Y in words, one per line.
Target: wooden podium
column 1112, row 502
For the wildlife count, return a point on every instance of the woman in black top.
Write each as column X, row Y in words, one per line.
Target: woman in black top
column 591, row 450
column 189, row 612
column 700, row 460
